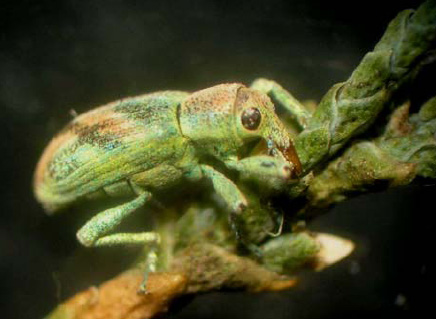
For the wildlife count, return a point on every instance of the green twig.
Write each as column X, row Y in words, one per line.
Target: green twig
column 351, row 107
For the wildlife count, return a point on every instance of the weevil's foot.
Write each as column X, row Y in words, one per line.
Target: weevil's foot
column 142, row 290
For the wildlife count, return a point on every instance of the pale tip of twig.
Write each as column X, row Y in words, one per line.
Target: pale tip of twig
column 333, row 249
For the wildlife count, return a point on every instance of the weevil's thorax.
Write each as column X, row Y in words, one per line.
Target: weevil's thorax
column 207, row 118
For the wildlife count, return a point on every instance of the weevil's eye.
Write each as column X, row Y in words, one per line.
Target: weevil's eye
column 250, row 118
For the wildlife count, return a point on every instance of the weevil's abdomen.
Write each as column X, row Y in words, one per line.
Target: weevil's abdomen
column 107, row 145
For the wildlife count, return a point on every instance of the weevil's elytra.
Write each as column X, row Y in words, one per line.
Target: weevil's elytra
column 139, row 145
column 103, row 146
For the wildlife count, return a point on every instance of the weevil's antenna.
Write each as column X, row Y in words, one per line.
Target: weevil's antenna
column 279, row 231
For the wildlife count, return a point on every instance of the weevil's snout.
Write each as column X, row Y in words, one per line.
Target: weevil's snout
column 279, row 144
column 290, row 154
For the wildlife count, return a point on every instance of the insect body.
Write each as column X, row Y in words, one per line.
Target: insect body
column 139, row 145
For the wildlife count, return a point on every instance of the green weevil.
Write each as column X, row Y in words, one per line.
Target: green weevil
column 136, row 146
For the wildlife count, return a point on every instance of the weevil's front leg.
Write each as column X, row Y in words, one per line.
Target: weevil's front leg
column 297, row 111
column 270, row 172
column 230, row 193
column 225, row 188
column 93, row 232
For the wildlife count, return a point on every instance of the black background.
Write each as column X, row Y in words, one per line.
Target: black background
column 61, row 55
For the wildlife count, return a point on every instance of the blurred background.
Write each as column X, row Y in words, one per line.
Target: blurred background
column 58, row 56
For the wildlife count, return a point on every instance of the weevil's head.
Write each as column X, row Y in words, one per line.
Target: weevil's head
column 257, row 119
column 226, row 117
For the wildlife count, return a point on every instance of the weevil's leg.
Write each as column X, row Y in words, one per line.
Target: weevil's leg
column 230, row 193
column 92, row 233
column 297, row 111
column 151, row 261
column 127, row 239
column 225, row 188
column 265, row 169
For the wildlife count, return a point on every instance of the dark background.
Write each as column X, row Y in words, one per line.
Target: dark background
column 61, row 55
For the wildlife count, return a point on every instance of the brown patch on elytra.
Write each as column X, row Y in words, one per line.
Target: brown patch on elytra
column 101, row 127
column 101, row 121
column 98, row 134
